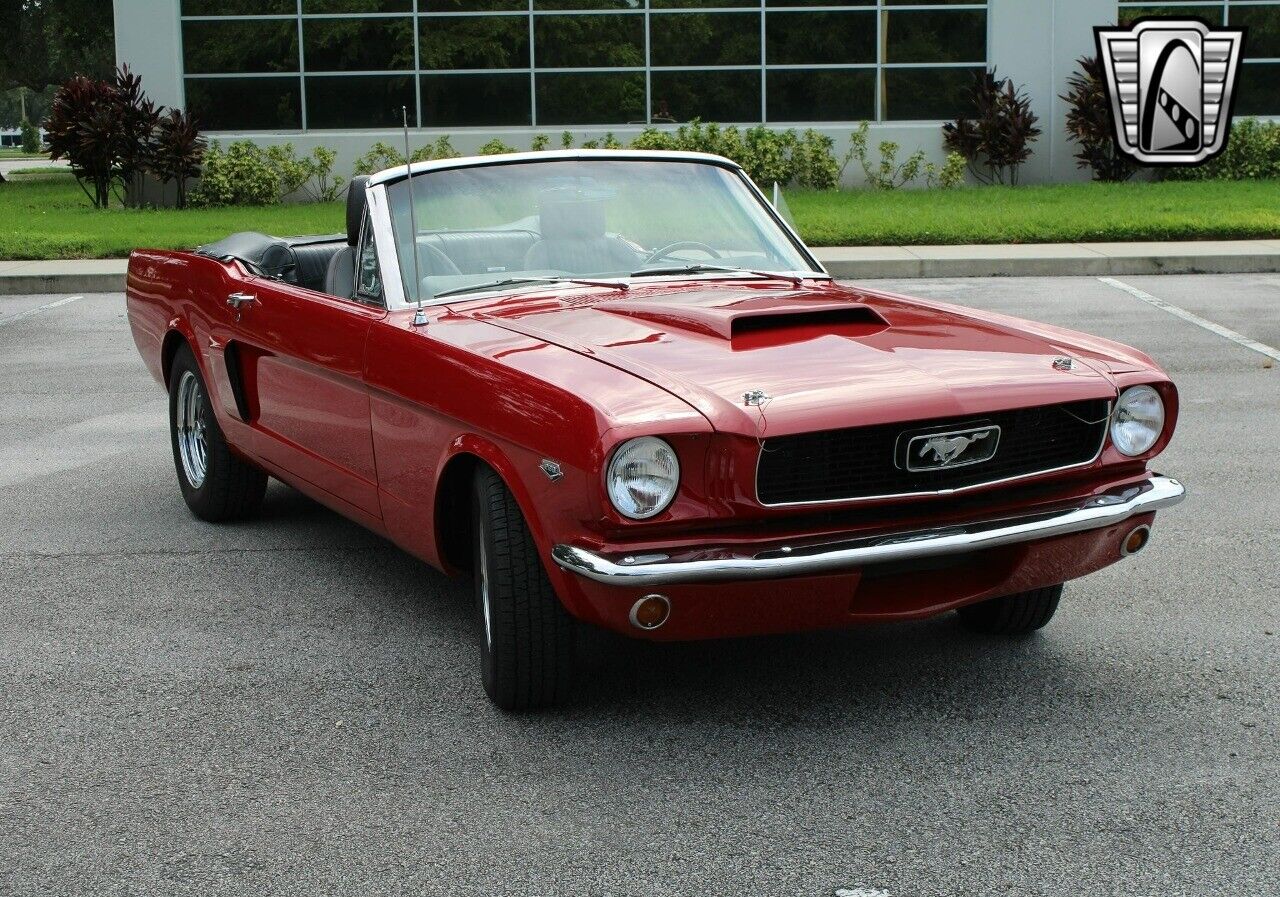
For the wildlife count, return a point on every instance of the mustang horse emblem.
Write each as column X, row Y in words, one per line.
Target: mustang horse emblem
column 947, row 448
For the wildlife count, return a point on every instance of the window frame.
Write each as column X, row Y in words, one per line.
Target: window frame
column 419, row 17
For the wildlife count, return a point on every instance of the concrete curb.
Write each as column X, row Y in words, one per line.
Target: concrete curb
column 844, row 262
column 1052, row 259
column 72, row 276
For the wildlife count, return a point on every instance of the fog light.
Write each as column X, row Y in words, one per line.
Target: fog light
column 650, row 612
column 1136, row 540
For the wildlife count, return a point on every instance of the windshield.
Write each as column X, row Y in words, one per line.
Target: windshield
column 502, row 226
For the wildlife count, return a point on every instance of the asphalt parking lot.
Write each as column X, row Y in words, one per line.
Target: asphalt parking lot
column 292, row 706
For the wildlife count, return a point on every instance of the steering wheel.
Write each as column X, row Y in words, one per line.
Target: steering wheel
column 678, row 245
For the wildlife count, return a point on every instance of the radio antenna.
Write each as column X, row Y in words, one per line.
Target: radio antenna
column 420, row 316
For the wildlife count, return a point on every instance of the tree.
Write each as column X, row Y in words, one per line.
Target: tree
column 48, row 41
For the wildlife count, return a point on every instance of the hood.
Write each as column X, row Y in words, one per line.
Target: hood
column 824, row 356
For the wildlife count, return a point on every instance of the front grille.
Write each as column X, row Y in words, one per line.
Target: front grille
column 861, row 462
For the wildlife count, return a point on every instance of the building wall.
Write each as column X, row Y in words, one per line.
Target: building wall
column 1036, row 42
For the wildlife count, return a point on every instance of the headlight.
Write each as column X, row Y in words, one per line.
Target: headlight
column 643, row 477
column 1138, row 420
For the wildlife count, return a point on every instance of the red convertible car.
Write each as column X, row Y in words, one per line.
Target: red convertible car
column 616, row 388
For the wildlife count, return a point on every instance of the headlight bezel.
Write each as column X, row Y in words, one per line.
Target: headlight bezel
column 1125, row 401
column 621, row 455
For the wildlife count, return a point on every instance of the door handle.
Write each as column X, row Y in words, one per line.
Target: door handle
column 239, row 300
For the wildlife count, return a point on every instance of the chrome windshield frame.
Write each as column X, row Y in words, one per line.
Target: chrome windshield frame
column 388, row 252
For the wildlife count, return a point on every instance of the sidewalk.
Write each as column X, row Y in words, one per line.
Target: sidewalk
column 844, row 262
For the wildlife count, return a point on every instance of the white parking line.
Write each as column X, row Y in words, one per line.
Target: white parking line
column 1225, row 332
column 35, row 311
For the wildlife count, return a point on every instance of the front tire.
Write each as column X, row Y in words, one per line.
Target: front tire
column 216, row 484
column 526, row 637
column 1013, row 615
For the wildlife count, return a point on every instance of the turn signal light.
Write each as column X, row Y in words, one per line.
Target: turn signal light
column 650, row 612
column 1136, row 540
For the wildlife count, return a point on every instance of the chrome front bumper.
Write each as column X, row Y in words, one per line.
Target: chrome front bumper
column 657, row 569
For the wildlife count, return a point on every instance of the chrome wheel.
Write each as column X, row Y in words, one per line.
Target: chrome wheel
column 192, row 445
column 482, row 574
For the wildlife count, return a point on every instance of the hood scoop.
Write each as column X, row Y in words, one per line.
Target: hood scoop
column 757, row 323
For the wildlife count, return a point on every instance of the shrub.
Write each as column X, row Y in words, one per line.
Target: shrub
column 496, row 147
column 766, row 155
column 566, row 140
column 539, row 143
column 30, row 138
column 113, row 134
column 890, row 174
column 327, row 186
column 136, row 121
column 814, row 161
column 950, row 175
column 177, row 151
column 997, row 140
column 1253, row 151
column 82, row 129
column 1089, row 124
column 379, row 157
column 243, row 174
column 653, row 139
column 382, row 156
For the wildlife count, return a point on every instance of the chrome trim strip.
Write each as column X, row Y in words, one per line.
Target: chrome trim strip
column 1090, row 513
column 857, row 498
column 384, row 239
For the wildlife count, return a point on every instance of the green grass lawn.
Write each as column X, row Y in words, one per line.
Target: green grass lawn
column 46, row 216
column 1065, row 213
column 13, row 152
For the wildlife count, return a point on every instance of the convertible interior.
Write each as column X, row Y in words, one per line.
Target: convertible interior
column 564, row 238
column 477, row 227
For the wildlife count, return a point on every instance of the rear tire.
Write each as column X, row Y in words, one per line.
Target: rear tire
column 216, row 484
column 526, row 637
column 1013, row 615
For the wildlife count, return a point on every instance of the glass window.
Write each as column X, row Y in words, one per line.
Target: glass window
column 935, row 36
column 794, row 38
column 602, row 41
column 359, row 101
column 245, row 104
column 1211, row 14
column 1263, row 22
column 583, row 217
column 805, row 95
column 269, row 45
column 314, row 6
column 1259, row 89
column 719, row 96
column 239, row 7
column 700, row 4
column 354, row 45
column 475, row 100
column 587, row 4
column 772, row 3
column 927, row 94
column 473, row 5
column 368, row 277
column 590, row 98
column 474, row 42
column 704, row 39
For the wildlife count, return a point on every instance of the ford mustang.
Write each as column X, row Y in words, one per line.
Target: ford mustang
column 616, row 389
